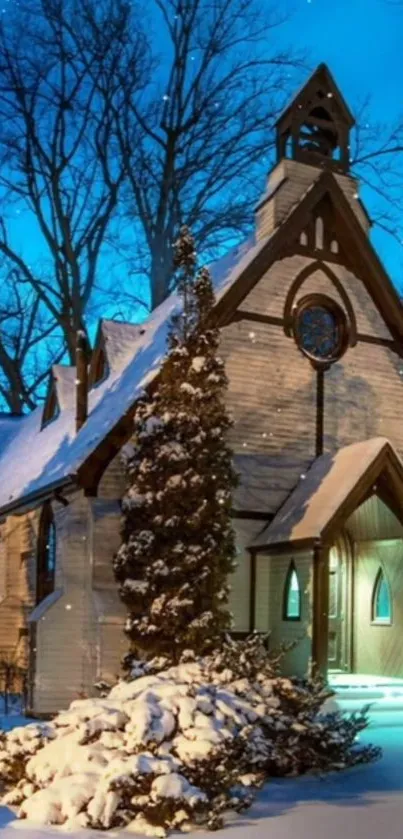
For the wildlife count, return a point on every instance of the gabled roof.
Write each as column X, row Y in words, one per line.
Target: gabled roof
column 333, row 488
column 324, row 78
column 118, row 337
column 38, row 462
column 363, row 258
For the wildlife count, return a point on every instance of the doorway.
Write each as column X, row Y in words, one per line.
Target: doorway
column 340, row 607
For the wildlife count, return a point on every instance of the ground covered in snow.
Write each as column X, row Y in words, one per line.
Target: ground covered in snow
column 176, row 747
column 365, row 802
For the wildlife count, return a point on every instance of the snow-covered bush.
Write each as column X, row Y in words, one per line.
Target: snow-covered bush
column 170, row 749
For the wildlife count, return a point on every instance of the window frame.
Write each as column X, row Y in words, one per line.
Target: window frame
column 287, row 584
column 45, row 581
column 375, row 620
column 328, row 303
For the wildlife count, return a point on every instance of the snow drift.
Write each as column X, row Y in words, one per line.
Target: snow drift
column 175, row 748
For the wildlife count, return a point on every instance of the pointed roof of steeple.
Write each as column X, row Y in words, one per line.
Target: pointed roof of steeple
column 321, row 77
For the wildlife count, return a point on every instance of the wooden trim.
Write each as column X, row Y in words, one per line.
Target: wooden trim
column 386, row 472
column 252, row 591
column 272, row 320
column 315, row 253
column 252, row 515
column 306, row 272
column 382, row 342
column 320, row 411
column 320, row 610
column 321, row 75
column 282, row 547
column 365, row 262
column 82, row 380
column 32, row 646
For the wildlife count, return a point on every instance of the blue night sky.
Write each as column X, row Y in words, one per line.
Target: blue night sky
column 361, row 41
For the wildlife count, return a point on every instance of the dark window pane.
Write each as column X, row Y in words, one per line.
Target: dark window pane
column 319, row 332
column 382, row 607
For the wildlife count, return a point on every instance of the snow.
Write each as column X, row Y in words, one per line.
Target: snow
column 362, row 803
column 52, row 456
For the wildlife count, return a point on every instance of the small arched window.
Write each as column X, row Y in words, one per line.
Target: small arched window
column 292, row 595
column 46, row 556
column 381, row 600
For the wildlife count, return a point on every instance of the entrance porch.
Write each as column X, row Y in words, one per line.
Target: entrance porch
column 336, row 550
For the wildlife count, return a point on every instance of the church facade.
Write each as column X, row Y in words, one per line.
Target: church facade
column 312, row 338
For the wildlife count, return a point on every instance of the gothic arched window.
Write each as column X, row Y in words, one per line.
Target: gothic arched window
column 46, row 556
column 381, row 600
column 292, row 595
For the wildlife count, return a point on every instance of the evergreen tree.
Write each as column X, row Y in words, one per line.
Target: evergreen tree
column 177, row 540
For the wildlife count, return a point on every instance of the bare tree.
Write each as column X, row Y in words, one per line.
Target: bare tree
column 29, row 344
column 377, row 161
column 206, row 119
column 58, row 101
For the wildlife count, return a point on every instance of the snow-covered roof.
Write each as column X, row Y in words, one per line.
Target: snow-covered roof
column 309, row 512
column 34, row 460
column 119, row 337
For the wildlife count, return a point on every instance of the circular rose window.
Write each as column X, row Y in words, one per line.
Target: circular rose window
column 320, row 329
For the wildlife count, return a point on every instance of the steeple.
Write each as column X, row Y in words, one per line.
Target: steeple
column 315, row 127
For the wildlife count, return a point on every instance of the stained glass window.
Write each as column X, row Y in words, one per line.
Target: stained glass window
column 381, row 602
column 320, row 328
column 319, row 332
column 292, row 596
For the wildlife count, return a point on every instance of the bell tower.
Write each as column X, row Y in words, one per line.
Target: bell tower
column 315, row 127
column 312, row 136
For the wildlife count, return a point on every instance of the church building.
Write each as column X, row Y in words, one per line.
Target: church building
column 312, row 339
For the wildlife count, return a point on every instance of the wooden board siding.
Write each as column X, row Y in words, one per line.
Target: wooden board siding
column 269, row 295
column 272, row 399
column 105, row 540
column 65, row 661
column 378, row 649
column 112, row 483
column 112, row 647
column 17, row 586
column 240, row 580
column 297, row 660
column 363, row 398
column 373, row 520
column 297, row 177
column 262, row 599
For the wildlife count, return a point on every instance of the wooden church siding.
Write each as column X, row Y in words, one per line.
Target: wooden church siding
column 112, row 483
column 269, row 294
column 378, row 649
column 369, row 320
column 105, row 539
column 240, row 580
column 373, row 520
column 63, row 665
column 272, row 399
column 16, row 588
column 297, row 660
column 262, row 594
column 288, row 182
column 362, row 395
